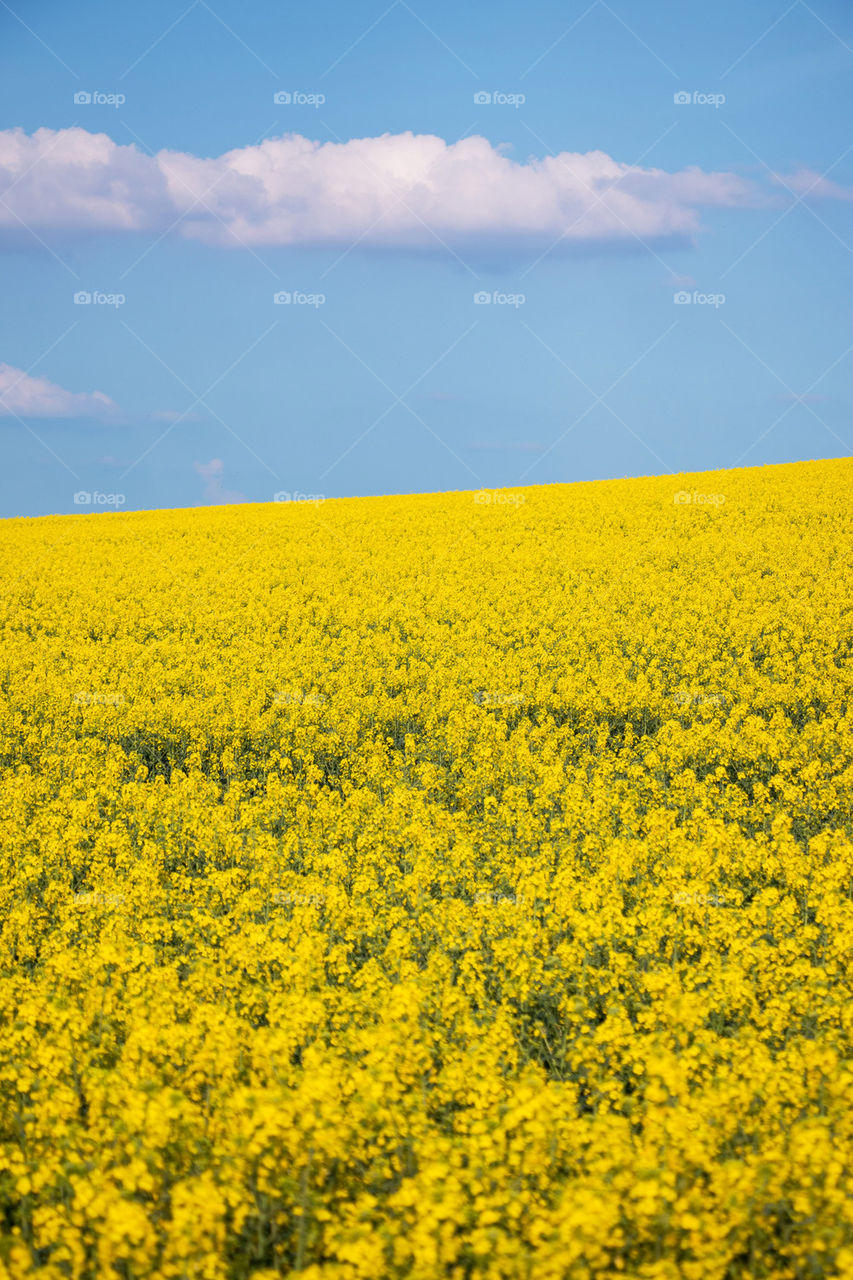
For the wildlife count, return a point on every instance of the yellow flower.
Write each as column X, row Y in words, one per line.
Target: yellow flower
column 421, row 888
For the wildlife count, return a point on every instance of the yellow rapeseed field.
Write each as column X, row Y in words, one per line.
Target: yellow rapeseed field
column 454, row 885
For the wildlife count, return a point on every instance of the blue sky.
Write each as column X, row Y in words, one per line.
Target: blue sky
column 418, row 157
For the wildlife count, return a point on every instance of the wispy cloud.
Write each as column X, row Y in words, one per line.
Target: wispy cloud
column 212, row 473
column 806, row 182
column 27, row 397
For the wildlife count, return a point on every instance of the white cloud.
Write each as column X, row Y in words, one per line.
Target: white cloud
column 406, row 190
column 212, row 473
column 805, row 182
column 29, row 397
column 76, row 181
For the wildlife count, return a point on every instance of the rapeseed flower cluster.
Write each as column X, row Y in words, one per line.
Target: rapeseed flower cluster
column 423, row 887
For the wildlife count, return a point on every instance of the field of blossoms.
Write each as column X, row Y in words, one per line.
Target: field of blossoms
column 451, row 885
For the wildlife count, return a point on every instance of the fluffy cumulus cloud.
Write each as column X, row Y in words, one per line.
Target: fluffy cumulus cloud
column 27, row 397
column 405, row 190
column 77, row 182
